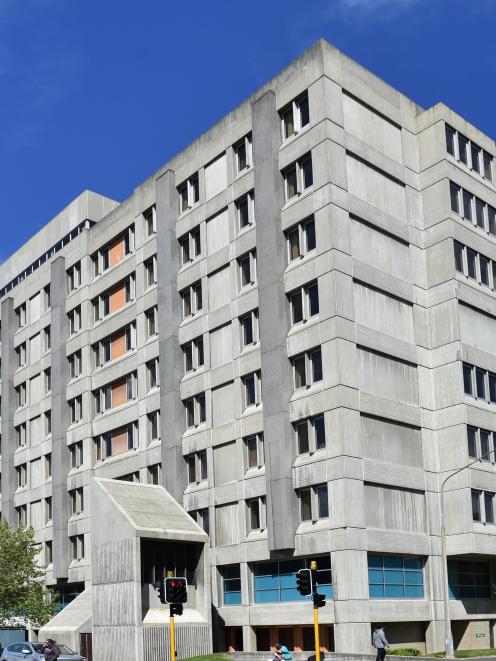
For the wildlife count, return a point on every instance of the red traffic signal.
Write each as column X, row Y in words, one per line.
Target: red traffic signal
column 176, row 590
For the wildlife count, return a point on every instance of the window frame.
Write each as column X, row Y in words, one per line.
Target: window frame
column 189, row 193
column 297, row 114
column 257, row 390
column 246, row 143
column 258, row 439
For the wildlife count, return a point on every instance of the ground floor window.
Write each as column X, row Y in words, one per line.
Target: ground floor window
column 276, row 581
column 469, row 580
column 231, row 582
column 395, row 577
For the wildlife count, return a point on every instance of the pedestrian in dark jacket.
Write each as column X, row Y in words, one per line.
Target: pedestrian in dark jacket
column 51, row 650
column 379, row 642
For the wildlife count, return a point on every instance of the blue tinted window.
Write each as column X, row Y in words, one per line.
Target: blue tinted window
column 276, row 581
column 395, row 577
column 232, row 585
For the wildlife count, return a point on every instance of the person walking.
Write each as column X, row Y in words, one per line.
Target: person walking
column 379, row 642
column 51, row 650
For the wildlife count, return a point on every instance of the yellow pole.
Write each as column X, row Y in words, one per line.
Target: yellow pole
column 316, row 629
column 173, row 639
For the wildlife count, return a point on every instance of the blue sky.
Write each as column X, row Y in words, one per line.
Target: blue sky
column 99, row 93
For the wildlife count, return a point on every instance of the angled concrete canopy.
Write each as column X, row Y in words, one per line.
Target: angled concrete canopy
column 152, row 511
column 72, row 620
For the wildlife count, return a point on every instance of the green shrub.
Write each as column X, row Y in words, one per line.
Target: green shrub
column 404, row 651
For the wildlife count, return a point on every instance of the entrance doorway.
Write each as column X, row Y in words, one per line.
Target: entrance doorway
column 85, row 646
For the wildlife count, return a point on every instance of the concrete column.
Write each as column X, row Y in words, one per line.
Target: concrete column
column 249, row 639
column 169, row 318
column 282, row 504
column 60, row 418
column 9, row 405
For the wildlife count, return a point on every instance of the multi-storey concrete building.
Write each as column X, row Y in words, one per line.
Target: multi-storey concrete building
column 290, row 329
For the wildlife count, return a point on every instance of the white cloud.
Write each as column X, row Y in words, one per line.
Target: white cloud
column 378, row 10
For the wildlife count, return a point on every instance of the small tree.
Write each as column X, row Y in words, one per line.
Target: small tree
column 23, row 595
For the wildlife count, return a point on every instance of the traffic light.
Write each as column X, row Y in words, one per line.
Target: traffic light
column 304, row 581
column 176, row 590
column 318, row 600
column 160, row 588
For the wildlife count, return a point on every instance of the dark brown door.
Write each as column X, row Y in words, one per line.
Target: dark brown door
column 85, row 645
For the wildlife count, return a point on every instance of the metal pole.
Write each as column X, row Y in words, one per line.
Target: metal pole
column 448, row 636
column 172, row 636
column 316, row 631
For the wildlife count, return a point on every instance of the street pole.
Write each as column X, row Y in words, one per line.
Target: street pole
column 172, row 635
column 313, row 567
column 448, row 636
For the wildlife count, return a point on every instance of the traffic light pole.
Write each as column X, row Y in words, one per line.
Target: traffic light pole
column 316, row 631
column 173, row 636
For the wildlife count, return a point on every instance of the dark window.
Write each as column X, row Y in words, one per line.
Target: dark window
column 459, row 257
column 472, row 442
column 476, row 511
column 467, row 205
column 487, row 160
column 492, row 387
column 319, row 426
column 480, row 382
column 485, row 437
column 322, row 501
column 310, row 235
column 488, row 507
column 479, row 212
column 316, row 359
column 450, row 140
column 475, row 151
column 313, row 300
column 455, row 199
column 484, row 270
column 462, row 148
column 467, row 379
column 471, row 263
column 302, row 436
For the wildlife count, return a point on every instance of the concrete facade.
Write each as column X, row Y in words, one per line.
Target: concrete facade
column 290, row 328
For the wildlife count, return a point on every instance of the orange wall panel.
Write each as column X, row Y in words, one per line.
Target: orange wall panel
column 117, row 299
column 119, row 393
column 116, row 251
column 119, row 441
column 118, row 346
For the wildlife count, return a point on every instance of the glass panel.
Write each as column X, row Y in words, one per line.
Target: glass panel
column 250, row 390
column 414, row 591
column 376, row 576
column 251, row 444
column 307, row 173
column 376, row 591
column 375, row 560
column 243, row 212
column 392, row 577
column 299, row 371
column 247, row 330
column 291, row 186
column 313, row 300
column 323, row 501
column 492, row 387
column 302, row 436
column 232, row 598
column 471, row 260
column 488, row 506
column 455, row 199
column 304, row 111
column 414, row 578
column 484, row 270
column 450, row 140
column 472, row 442
column 467, row 205
column 467, row 379
column 319, row 427
column 487, row 166
column 491, row 216
column 306, row 505
column 266, row 596
column 484, row 440
column 475, row 152
column 316, row 358
column 297, row 307
column 291, row 594
column 393, row 562
column 476, row 514
column 310, row 235
column 266, row 582
column 395, row 591
column 458, row 257
column 241, row 153
column 480, row 383
column 288, row 122
column 479, row 212
column 462, row 148
column 294, row 244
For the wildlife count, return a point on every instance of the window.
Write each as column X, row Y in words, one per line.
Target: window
column 304, row 303
column 48, row 553
column 76, row 450
column 475, row 266
column 231, row 585
column 74, row 277
column 21, row 355
column 189, row 193
column 47, row 342
column 48, row 510
column 77, row 500
column 249, row 329
column 479, row 383
column 115, row 346
column 151, row 271
column 395, row 577
column 310, row 434
column 256, row 514
column 76, row 406
column 459, row 251
column 77, row 547
column 194, row 357
column 21, row 435
column 314, row 503
column 153, row 420
column 298, row 177
column 21, row 394
column 154, row 474
column 473, row 209
column 150, row 219
column 254, row 451
column 21, row 316
column 48, row 423
column 22, row 476
column 22, row 515
column 116, row 442
column 295, row 116
column 129, row 477
column 190, row 246
column 197, row 467
column 151, row 317
column 469, row 579
column 47, row 378
column 307, row 369
column 481, row 444
column 75, row 320
column 152, row 374
column 114, row 252
column 482, row 506
column 276, row 581
column 75, row 364
column 192, row 299
column 243, row 154
column 196, row 412
column 301, row 240
column 47, row 298
column 245, row 210
column 48, row 466
column 247, row 269
column 252, row 389
column 468, row 153
column 114, row 299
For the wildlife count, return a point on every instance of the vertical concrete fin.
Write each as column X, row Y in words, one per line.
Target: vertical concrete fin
column 60, row 417
column 282, row 504
column 8, row 409
column 169, row 318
